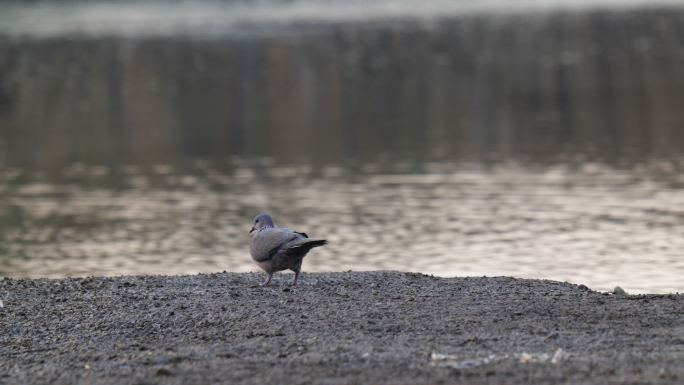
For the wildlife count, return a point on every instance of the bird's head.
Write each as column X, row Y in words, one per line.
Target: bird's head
column 261, row 221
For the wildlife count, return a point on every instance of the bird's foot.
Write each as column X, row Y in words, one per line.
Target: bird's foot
column 267, row 281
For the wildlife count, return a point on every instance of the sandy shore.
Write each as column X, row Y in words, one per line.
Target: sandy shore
column 335, row 328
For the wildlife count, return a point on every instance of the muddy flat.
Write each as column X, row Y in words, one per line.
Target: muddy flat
column 334, row 328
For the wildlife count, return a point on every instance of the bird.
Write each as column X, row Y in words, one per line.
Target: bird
column 277, row 248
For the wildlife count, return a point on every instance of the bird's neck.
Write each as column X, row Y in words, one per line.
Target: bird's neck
column 262, row 229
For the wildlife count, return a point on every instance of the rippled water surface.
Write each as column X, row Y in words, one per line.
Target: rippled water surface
column 462, row 131
column 595, row 225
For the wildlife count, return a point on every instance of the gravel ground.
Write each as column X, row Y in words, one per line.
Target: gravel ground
column 334, row 328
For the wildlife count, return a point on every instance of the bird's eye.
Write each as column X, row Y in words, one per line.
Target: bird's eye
column 256, row 221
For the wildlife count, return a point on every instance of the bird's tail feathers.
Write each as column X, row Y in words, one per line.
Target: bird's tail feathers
column 309, row 244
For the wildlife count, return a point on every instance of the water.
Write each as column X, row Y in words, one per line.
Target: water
column 212, row 18
column 594, row 225
column 539, row 140
column 549, row 86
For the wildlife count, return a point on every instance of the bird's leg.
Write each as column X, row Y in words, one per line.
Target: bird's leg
column 294, row 282
column 297, row 268
column 268, row 280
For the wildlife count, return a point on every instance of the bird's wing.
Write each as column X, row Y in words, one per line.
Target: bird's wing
column 268, row 242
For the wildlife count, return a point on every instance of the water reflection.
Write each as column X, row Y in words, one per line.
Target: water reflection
column 391, row 133
column 604, row 84
column 594, row 225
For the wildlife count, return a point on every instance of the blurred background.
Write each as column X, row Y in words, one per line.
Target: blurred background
column 538, row 139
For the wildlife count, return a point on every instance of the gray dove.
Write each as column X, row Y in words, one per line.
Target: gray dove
column 277, row 248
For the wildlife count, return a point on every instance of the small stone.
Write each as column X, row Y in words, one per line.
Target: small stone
column 163, row 372
column 619, row 291
column 662, row 373
column 558, row 356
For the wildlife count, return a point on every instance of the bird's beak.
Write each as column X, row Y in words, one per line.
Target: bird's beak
column 251, row 230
